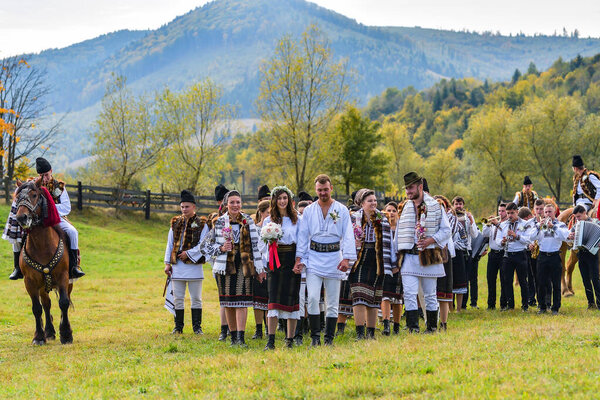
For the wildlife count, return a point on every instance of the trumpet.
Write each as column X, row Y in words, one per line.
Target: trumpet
column 488, row 221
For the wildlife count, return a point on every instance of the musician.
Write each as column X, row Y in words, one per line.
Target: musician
column 534, row 249
column 586, row 185
column 494, row 263
column 469, row 231
column 526, row 197
column 588, row 262
column 514, row 236
column 550, row 235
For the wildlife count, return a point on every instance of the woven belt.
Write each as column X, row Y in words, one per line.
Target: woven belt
column 324, row 247
column 286, row 247
column 413, row 251
column 368, row 245
column 549, row 253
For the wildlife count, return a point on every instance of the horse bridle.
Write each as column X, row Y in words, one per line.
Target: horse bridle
column 23, row 201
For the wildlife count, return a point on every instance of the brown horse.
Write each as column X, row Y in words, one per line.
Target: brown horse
column 44, row 262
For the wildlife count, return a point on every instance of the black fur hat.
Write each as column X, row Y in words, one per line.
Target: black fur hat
column 42, row 165
column 187, row 197
column 303, row 196
column 527, row 181
column 263, row 191
column 577, row 161
column 220, row 192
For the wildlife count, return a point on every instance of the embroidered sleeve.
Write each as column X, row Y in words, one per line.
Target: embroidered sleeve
column 64, row 207
column 195, row 253
column 444, row 233
column 209, row 245
column 302, row 238
column 348, row 243
column 169, row 248
column 258, row 262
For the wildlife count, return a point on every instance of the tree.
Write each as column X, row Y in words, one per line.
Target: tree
column 126, row 140
column 198, row 122
column 516, row 76
column 301, row 90
column 532, row 69
column 355, row 160
column 23, row 126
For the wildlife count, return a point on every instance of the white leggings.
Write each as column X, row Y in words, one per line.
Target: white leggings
column 332, row 294
column 71, row 232
column 195, row 289
column 411, row 290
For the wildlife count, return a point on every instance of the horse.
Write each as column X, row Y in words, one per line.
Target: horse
column 44, row 261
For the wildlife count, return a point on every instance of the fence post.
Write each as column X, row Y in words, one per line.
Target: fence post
column 79, row 196
column 147, row 207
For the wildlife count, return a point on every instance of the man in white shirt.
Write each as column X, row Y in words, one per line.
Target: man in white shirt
column 471, row 263
column 551, row 234
column 494, row 261
column 514, row 237
column 586, row 185
column 325, row 248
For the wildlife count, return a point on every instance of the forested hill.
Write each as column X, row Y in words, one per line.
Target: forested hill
column 227, row 39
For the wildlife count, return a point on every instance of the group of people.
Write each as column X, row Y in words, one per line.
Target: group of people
column 335, row 261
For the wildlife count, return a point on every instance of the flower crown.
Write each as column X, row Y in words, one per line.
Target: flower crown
column 280, row 189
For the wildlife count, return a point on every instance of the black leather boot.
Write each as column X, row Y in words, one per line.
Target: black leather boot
column 270, row 343
column 330, row 324
column 360, row 332
column 16, row 274
column 412, row 321
column 289, row 343
column 315, row 329
column 386, row 327
column 258, row 334
column 282, row 325
column 241, row 341
column 432, row 321
column 396, row 328
column 322, row 319
column 298, row 339
column 234, row 338
column 74, row 268
column 341, row 327
column 223, row 335
column 443, row 326
column 371, row 333
column 197, row 321
column 179, row 314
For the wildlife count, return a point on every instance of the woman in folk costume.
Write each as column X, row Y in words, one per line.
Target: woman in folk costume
column 184, row 260
column 260, row 295
column 460, row 236
column 392, row 284
column 375, row 258
column 445, row 284
column 283, row 280
column 233, row 243
column 421, row 234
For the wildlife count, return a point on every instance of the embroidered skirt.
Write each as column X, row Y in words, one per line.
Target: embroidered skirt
column 260, row 294
column 459, row 273
column 345, row 306
column 392, row 288
column 284, row 286
column 235, row 290
column 445, row 284
column 366, row 288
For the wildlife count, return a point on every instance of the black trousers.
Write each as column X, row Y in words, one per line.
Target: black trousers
column 549, row 269
column 472, row 266
column 494, row 265
column 531, row 278
column 515, row 261
column 588, row 266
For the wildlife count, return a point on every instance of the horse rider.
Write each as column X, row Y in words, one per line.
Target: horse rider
column 63, row 205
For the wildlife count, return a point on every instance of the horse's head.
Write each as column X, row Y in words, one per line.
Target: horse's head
column 30, row 203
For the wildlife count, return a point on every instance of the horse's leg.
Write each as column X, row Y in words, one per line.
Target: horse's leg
column 66, row 334
column 36, row 307
column 563, row 260
column 49, row 331
column 569, row 272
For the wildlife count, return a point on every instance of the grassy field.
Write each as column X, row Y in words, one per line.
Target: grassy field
column 123, row 347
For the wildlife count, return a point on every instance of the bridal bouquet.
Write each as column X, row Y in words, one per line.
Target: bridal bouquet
column 270, row 234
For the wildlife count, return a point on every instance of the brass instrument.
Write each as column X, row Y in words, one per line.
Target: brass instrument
column 488, row 221
column 535, row 251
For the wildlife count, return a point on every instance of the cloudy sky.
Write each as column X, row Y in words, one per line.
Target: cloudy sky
column 34, row 25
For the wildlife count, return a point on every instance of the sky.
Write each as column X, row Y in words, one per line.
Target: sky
column 34, row 25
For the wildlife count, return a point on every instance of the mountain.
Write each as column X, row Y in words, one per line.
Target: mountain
column 226, row 40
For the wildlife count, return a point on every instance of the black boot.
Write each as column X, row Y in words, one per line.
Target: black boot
column 74, row 269
column 432, row 320
column 306, row 326
column 281, row 325
column 315, row 329
column 396, row 328
column 298, row 339
column 360, row 332
column 258, row 333
column 223, row 335
column 341, row 327
column 270, row 343
column 178, row 321
column 322, row 319
column 16, row 274
column 197, row 321
column 241, row 341
column 234, row 338
column 443, row 326
column 289, row 343
column 386, row 327
column 371, row 333
column 421, row 315
column 330, row 324
column 412, row 321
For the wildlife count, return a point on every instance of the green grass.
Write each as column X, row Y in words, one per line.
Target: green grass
column 123, row 347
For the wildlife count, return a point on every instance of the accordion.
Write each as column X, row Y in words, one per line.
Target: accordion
column 587, row 235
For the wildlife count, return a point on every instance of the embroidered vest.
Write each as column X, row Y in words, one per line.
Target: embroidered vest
column 193, row 229
column 589, row 190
